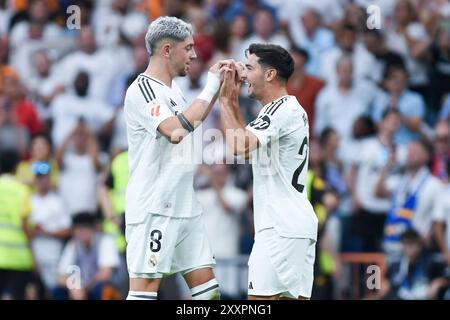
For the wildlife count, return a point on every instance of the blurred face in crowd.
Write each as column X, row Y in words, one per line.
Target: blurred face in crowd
column 263, row 24
column 315, row 152
column 182, row 53
column 38, row 11
column 333, row 140
column 43, row 183
column 417, row 156
column 81, row 138
column 299, row 60
column 42, row 63
column 372, row 43
column 198, row 18
column 396, row 81
column 81, row 84
column 254, row 76
column 36, row 30
column 403, row 12
column 390, row 124
column 411, row 249
column 444, row 39
column 4, row 49
column 120, row 6
column 347, row 39
column 195, row 70
column 239, row 27
column 345, row 71
column 311, row 21
column 442, row 138
column 140, row 58
column 87, row 40
column 84, row 234
column 219, row 175
column 40, row 149
column 355, row 15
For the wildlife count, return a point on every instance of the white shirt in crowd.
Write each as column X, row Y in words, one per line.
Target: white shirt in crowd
column 417, row 71
column 77, row 183
column 67, row 109
column 442, row 211
column 371, row 157
column 108, row 256
column 49, row 212
column 20, row 33
column 279, row 167
column 340, row 111
column 363, row 62
column 223, row 228
column 102, row 66
column 426, row 198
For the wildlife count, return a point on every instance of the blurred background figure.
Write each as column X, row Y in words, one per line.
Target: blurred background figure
column 91, row 257
column 16, row 260
column 51, row 226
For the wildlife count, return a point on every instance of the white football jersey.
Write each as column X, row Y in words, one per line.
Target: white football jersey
column 160, row 173
column 279, row 167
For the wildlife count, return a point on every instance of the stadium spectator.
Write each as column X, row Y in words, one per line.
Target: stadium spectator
column 441, row 156
column 375, row 43
column 349, row 45
column 415, row 276
column 16, row 260
column 41, row 151
column 264, row 31
column 409, row 38
column 70, row 107
column 51, row 226
column 91, row 257
column 339, row 105
column 77, row 157
column 304, row 86
column 223, row 205
column 414, row 195
column 410, row 105
column 369, row 210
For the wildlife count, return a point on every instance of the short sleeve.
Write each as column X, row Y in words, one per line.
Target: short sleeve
column 147, row 112
column 271, row 124
column 441, row 207
column 67, row 258
column 108, row 255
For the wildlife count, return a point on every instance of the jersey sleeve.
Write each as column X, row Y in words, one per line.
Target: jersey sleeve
column 273, row 123
column 148, row 108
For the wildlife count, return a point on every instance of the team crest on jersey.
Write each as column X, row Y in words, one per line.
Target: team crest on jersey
column 154, row 108
column 260, row 123
column 152, row 260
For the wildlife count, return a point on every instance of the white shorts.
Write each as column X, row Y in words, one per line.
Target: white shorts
column 279, row 265
column 162, row 245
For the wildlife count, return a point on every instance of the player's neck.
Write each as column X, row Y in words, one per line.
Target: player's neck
column 273, row 94
column 157, row 71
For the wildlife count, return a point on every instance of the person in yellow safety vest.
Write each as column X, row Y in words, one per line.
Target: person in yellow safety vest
column 326, row 262
column 16, row 260
column 112, row 199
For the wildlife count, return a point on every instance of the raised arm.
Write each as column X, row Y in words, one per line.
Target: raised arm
column 177, row 127
column 241, row 141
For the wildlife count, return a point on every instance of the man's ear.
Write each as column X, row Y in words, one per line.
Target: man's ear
column 270, row 75
column 165, row 49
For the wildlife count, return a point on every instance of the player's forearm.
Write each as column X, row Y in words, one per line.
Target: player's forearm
column 235, row 133
column 198, row 111
column 440, row 237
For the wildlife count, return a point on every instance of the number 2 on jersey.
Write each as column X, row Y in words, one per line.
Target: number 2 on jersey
column 302, row 151
column 155, row 243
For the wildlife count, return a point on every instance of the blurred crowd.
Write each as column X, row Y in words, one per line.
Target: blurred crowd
column 378, row 102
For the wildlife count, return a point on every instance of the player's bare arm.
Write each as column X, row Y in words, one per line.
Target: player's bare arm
column 177, row 127
column 242, row 141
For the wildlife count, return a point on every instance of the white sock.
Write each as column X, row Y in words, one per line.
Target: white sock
column 142, row 295
column 206, row 291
